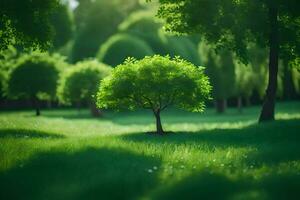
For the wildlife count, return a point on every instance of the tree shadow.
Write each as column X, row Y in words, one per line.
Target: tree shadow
column 206, row 185
column 91, row 174
column 27, row 133
column 274, row 142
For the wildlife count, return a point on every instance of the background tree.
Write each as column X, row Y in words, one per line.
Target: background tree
column 117, row 48
column 26, row 23
column 34, row 77
column 143, row 25
column 63, row 25
column 221, row 71
column 155, row 83
column 233, row 24
column 81, row 82
column 95, row 22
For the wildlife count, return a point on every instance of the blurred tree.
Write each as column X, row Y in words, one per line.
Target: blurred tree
column 155, row 83
column 96, row 21
column 221, row 72
column 232, row 24
column 143, row 25
column 26, row 23
column 117, row 48
column 34, row 77
column 81, row 82
column 244, row 77
column 62, row 21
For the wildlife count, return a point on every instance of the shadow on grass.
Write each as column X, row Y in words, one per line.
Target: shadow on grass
column 27, row 133
column 91, row 174
column 275, row 141
column 205, row 185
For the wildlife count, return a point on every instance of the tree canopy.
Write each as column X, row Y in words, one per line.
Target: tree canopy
column 34, row 77
column 81, row 82
column 155, row 83
column 233, row 24
column 26, row 23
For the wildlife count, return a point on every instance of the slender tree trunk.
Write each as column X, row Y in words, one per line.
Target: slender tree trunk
column 240, row 104
column 221, row 105
column 268, row 108
column 159, row 128
column 36, row 105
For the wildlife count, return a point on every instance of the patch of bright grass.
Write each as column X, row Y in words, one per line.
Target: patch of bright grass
column 68, row 155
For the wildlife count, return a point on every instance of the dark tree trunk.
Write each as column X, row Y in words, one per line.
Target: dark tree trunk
column 268, row 108
column 36, row 105
column 159, row 129
column 221, row 105
column 95, row 112
column 240, row 104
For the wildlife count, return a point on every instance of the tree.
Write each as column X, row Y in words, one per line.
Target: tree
column 61, row 20
column 155, row 83
column 95, row 22
column 143, row 25
column 26, row 23
column 117, row 48
column 221, row 71
column 34, row 77
column 81, row 82
column 233, row 24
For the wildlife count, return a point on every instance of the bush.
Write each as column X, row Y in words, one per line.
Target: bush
column 155, row 83
column 34, row 77
column 81, row 82
column 117, row 48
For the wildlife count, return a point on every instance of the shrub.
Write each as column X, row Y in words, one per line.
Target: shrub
column 81, row 82
column 34, row 77
column 117, row 48
column 155, row 83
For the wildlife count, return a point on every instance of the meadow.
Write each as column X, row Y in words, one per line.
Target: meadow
column 66, row 154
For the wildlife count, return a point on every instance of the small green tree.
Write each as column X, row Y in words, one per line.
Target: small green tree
column 155, row 83
column 34, row 77
column 81, row 82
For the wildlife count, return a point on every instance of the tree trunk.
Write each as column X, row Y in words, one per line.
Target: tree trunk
column 268, row 108
column 95, row 112
column 36, row 105
column 159, row 128
column 221, row 105
column 240, row 104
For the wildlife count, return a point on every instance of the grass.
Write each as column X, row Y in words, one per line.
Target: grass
column 68, row 155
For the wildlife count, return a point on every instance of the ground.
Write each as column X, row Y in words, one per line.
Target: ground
column 64, row 154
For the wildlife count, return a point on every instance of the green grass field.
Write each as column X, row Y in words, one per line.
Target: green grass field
column 68, row 155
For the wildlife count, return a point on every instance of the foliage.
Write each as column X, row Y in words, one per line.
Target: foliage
column 62, row 21
column 117, row 48
column 183, row 47
column 233, row 24
column 155, row 83
column 95, row 22
column 220, row 69
column 26, row 23
column 81, row 81
column 143, row 25
column 34, row 76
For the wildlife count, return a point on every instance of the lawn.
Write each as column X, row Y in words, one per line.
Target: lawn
column 66, row 154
